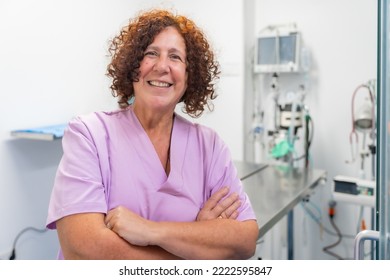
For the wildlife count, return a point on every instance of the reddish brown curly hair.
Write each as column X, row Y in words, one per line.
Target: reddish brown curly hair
column 127, row 50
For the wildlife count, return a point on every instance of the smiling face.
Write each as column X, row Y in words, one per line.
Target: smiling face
column 162, row 77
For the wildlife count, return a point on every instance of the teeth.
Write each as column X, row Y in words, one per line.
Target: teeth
column 159, row 84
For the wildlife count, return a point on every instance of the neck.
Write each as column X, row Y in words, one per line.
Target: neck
column 154, row 122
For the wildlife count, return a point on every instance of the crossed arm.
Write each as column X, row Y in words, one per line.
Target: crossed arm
column 123, row 234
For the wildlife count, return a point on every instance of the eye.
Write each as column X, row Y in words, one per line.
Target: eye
column 176, row 57
column 150, row 53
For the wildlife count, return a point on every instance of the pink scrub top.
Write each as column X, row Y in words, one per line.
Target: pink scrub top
column 109, row 160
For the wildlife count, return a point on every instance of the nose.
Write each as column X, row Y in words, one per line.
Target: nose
column 162, row 64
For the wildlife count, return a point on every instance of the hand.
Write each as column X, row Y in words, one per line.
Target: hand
column 130, row 226
column 219, row 207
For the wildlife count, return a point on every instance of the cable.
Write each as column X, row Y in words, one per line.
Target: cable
column 310, row 141
column 13, row 254
column 309, row 212
column 306, row 155
column 326, row 249
column 317, row 220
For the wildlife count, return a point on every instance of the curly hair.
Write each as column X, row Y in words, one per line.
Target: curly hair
column 127, row 51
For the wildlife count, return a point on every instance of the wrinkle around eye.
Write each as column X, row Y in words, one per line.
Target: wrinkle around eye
column 176, row 57
column 150, row 53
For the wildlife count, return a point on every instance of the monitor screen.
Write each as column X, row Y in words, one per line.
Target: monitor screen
column 277, row 53
column 287, row 49
column 266, row 50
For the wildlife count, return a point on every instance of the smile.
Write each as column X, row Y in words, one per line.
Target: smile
column 159, row 84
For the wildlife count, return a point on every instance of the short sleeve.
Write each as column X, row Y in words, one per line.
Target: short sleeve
column 78, row 185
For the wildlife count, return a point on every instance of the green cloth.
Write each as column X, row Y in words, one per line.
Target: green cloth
column 281, row 149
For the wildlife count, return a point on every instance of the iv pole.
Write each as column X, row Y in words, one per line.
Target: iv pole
column 366, row 120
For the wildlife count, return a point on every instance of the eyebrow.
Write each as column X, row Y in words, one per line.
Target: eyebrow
column 171, row 50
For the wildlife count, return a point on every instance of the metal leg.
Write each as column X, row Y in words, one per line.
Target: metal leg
column 290, row 234
column 373, row 228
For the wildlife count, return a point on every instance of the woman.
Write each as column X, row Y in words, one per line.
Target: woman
column 142, row 182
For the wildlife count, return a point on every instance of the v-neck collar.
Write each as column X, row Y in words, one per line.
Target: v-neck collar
column 147, row 154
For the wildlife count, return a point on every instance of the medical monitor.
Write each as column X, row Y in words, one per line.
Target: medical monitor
column 277, row 52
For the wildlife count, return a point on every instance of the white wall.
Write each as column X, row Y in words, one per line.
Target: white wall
column 342, row 38
column 52, row 67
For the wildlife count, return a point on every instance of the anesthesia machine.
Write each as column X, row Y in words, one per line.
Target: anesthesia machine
column 279, row 55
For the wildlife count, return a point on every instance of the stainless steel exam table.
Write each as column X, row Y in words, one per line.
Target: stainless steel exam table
column 274, row 190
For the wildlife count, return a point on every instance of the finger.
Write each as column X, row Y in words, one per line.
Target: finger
column 225, row 204
column 234, row 215
column 215, row 198
column 232, row 208
column 108, row 220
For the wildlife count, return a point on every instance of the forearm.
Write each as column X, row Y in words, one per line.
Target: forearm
column 95, row 241
column 114, row 248
column 214, row 239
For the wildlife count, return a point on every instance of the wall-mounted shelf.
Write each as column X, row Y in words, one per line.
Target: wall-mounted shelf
column 49, row 133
